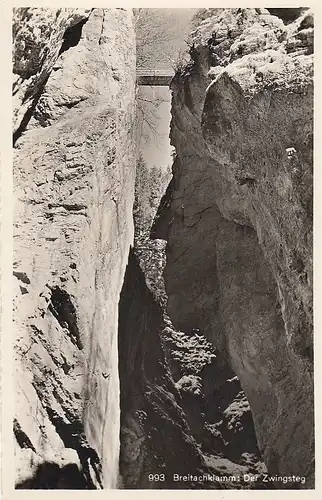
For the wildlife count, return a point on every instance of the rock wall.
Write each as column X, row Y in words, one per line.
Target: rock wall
column 179, row 397
column 38, row 37
column 156, row 441
column 215, row 406
column 237, row 217
column 163, row 431
column 74, row 170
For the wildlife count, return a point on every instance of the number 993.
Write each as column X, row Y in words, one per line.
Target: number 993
column 156, row 477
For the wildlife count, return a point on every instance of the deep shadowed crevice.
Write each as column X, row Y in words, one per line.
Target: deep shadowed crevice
column 161, row 421
column 70, row 429
column 49, row 476
column 72, row 36
column 21, row 437
column 288, row 15
column 248, row 181
column 28, row 115
column 73, row 436
column 64, row 311
column 153, row 429
column 22, row 277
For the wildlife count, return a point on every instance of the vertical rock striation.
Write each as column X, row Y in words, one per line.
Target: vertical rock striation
column 237, row 217
column 74, row 170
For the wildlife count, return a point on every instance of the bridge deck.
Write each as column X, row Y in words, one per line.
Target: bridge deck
column 154, row 80
column 154, row 77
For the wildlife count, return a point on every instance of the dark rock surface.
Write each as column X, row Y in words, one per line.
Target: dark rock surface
column 155, row 437
column 237, row 217
column 201, row 425
column 215, row 406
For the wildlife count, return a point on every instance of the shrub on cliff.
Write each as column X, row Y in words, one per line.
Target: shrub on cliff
column 150, row 185
column 149, row 188
column 203, row 14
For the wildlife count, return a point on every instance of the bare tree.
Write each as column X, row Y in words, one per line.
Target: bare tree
column 154, row 32
column 154, row 49
column 150, row 185
column 147, row 116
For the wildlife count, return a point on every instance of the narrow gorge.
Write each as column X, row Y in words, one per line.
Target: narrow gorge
column 163, row 321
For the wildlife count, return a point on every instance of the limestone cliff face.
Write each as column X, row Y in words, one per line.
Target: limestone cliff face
column 74, row 169
column 237, row 217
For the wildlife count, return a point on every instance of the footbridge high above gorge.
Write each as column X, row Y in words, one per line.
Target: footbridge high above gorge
column 154, row 77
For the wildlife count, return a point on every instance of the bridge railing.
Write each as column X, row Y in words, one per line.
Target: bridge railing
column 155, row 72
